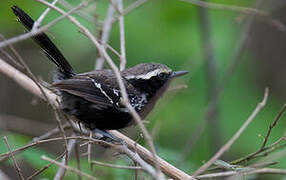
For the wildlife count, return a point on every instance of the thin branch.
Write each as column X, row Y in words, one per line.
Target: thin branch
column 107, row 25
column 61, row 171
column 235, row 136
column 89, row 148
column 62, row 131
column 69, row 168
column 122, row 35
column 40, row 30
column 223, row 7
column 77, row 156
column 38, row 22
column 265, row 149
column 133, row 6
column 272, row 125
column 19, row 171
column 116, row 166
column 7, row 154
column 244, row 173
column 44, row 168
column 51, row 133
column 80, row 13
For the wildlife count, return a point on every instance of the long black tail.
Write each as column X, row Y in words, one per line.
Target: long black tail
column 46, row 44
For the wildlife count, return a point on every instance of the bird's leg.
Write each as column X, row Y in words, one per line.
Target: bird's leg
column 107, row 136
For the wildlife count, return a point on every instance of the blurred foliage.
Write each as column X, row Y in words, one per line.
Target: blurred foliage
column 168, row 32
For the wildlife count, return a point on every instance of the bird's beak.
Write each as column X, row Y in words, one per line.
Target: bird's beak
column 178, row 73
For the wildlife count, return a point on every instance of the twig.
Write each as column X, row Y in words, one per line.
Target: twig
column 77, row 157
column 40, row 30
column 107, row 25
column 19, row 171
column 272, row 125
column 37, row 23
column 216, row 6
column 61, row 171
column 69, row 168
column 236, row 135
column 232, row 173
column 44, row 168
column 133, row 6
column 116, row 166
column 51, row 132
column 263, row 146
column 89, row 149
column 122, row 34
column 62, row 131
column 80, row 13
column 7, row 154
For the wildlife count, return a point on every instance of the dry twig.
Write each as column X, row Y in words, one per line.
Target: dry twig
column 235, row 136
column 81, row 173
column 19, row 171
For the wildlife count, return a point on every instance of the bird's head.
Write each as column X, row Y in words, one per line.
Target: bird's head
column 150, row 76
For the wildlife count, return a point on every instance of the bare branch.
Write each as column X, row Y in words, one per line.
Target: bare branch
column 272, row 125
column 122, row 34
column 69, row 168
column 19, row 171
column 61, row 171
column 40, row 30
column 116, row 166
column 244, row 173
column 235, row 136
column 223, row 7
column 38, row 22
column 107, row 25
column 44, row 168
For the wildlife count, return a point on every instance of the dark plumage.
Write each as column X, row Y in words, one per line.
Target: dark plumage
column 94, row 97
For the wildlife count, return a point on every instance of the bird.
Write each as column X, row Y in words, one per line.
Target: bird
column 94, row 98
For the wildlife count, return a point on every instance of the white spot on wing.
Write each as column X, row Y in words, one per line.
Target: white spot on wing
column 98, row 85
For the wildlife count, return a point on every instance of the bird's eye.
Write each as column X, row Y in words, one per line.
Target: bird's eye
column 162, row 76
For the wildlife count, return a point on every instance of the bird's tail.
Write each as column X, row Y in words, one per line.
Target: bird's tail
column 46, row 44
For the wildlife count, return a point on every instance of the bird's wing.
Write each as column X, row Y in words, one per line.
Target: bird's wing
column 91, row 89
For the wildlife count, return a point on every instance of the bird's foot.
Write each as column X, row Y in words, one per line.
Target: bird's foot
column 106, row 136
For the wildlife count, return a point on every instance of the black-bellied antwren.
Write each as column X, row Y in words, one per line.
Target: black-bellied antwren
column 94, row 97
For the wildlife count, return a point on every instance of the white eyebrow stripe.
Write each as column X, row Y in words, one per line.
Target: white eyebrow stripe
column 145, row 76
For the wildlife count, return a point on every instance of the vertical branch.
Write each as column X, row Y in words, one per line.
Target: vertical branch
column 77, row 156
column 107, row 25
column 61, row 171
column 208, row 51
column 89, row 148
column 14, row 160
column 37, row 23
column 122, row 35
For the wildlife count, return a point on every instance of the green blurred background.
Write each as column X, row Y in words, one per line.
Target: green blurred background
column 169, row 32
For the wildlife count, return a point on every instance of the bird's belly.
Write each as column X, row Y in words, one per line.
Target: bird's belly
column 95, row 115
